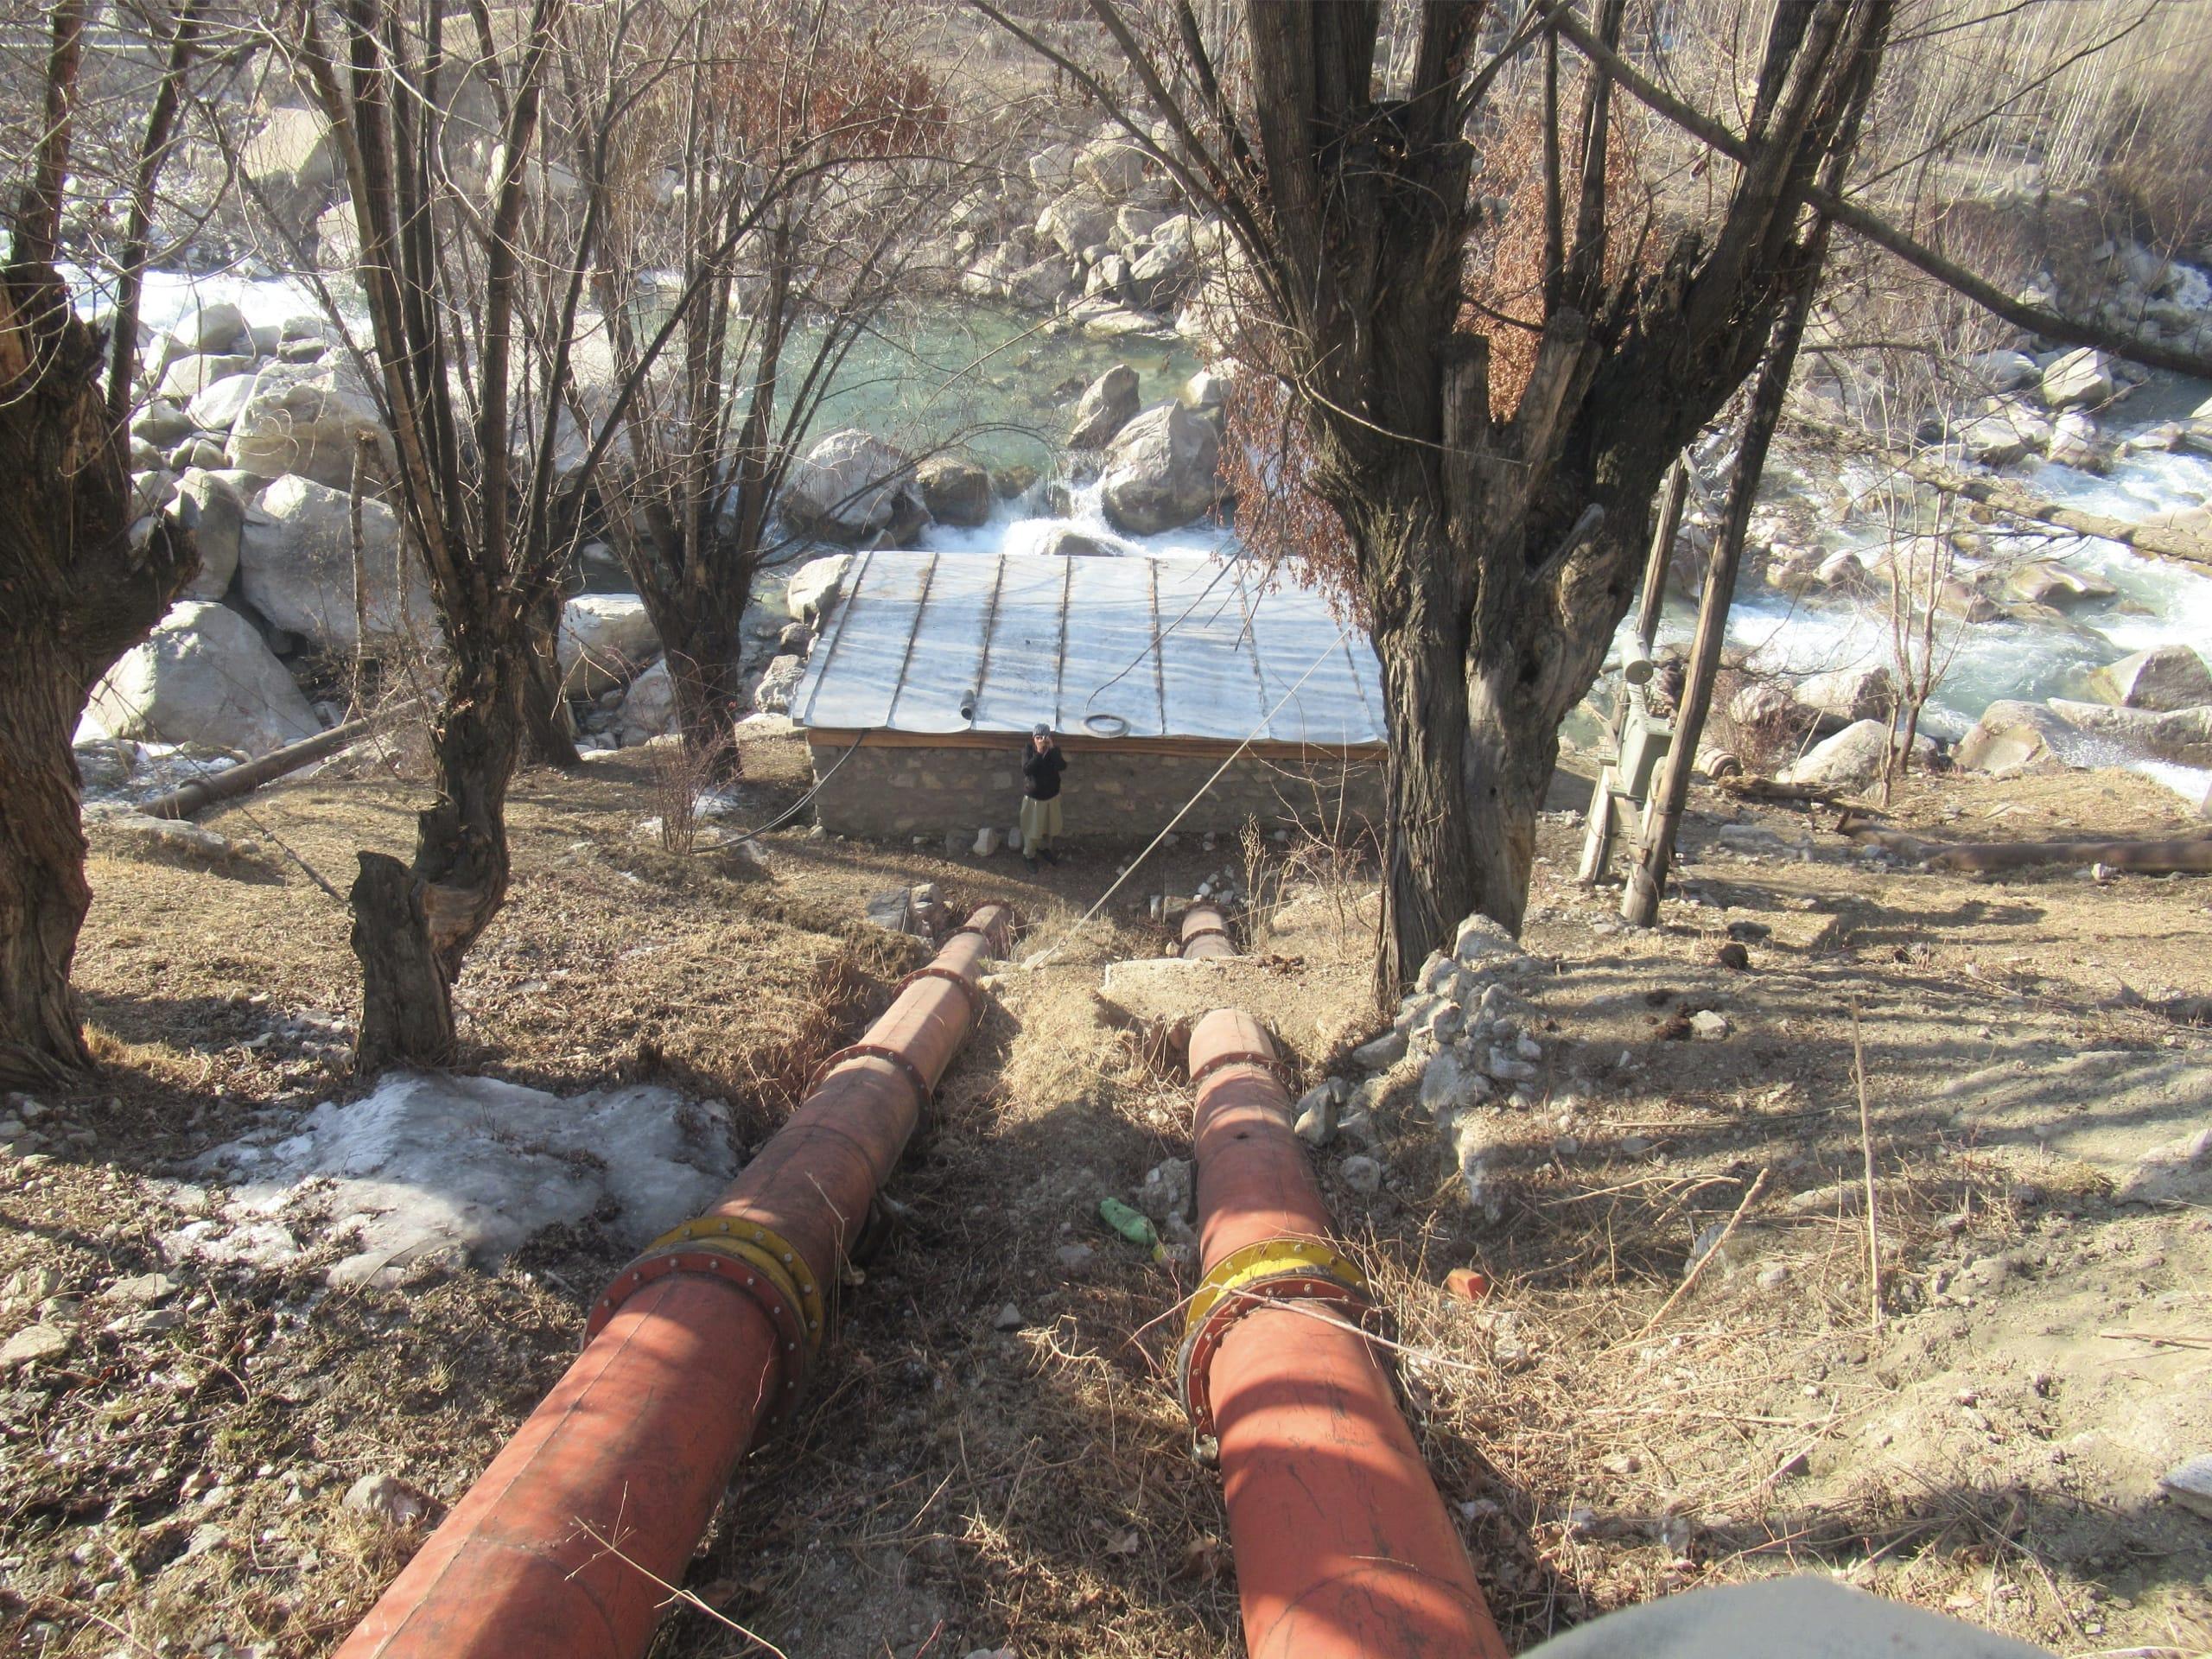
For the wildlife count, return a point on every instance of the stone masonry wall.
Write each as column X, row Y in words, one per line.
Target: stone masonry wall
column 1107, row 795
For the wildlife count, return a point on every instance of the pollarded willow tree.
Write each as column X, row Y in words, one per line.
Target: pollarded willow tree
column 1482, row 325
column 84, row 570
column 777, row 162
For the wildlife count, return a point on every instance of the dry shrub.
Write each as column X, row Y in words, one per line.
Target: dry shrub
column 1766, row 744
column 682, row 774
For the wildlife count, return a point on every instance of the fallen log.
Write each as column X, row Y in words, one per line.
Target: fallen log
column 188, row 799
column 2182, row 856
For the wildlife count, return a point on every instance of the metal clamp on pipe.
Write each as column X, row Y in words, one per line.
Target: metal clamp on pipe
column 1273, row 1272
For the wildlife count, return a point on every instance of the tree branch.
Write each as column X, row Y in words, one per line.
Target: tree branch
column 1847, row 213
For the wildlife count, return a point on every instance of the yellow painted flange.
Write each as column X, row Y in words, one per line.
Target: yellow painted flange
column 759, row 1247
column 1271, row 1258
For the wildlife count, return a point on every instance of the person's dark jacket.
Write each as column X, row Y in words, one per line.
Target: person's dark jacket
column 1040, row 773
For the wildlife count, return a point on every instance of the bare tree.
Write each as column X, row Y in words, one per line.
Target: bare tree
column 777, row 159
column 1487, row 395
column 85, row 572
column 474, row 325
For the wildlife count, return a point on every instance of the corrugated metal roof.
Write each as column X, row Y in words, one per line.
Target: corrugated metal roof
column 1172, row 647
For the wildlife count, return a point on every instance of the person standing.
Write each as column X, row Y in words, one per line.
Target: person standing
column 1041, row 766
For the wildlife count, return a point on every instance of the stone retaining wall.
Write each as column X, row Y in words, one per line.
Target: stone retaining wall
column 1109, row 795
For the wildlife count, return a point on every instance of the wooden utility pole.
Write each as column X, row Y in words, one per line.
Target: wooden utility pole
column 1648, row 879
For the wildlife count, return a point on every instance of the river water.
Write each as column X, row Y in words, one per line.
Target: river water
column 999, row 385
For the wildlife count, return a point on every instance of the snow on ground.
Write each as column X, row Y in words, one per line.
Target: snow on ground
column 462, row 1168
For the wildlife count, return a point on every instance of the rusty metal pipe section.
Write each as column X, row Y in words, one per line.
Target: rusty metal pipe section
column 1342, row 1543
column 566, row 1546
column 1205, row 933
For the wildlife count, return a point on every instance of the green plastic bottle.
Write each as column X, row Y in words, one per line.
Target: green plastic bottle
column 1133, row 1226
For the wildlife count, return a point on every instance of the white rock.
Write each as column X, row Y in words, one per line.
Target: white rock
column 1113, row 168
column 2162, row 679
column 1852, row 758
column 1849, row 694
column 296, row 566
column 312, row 419
column 216, row 408
column 1385, row 1051
column 605, row 639
column 771, row 693
column 213, row 327
column 206, row 504
column 814, row 586
column 189, row 378
column 1481, row 942
column 388, row 1498
column 849, row 484
column 32, row 1344
column 1510, row 1068
column 648, row 708
column 2081, row 375
column 987, row 841
column 1106, row 405
column 1709, row 1027
column 202, row 676
column 2189, row 1485
column 2072, row 440
column 1362, row 1174
column 1448, row 1085
column 1315, row 1123
column 1160, row 470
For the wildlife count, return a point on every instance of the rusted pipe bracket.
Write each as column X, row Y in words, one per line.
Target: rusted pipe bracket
column 1242, row 1057
column 749, row 1258
column 950, row 976
column 877, row 1052
column 1272, row 1271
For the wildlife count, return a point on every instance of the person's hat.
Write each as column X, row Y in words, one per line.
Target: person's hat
column 1040, row 729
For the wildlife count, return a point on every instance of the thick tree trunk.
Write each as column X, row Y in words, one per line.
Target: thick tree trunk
column 551, row 732
column 74, row 594
column 459, row 879
column 44, row 893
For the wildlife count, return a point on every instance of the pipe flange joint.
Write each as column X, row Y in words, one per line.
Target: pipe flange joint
column 953, row 976
column 1269, row 1062
column 752, row 1259
column 1274, row 1270
column 877, row 1051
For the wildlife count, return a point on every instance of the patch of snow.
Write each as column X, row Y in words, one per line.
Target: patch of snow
column 466, row 1168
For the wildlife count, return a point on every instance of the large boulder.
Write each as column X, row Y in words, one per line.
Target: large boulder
column 2046, row 582
column 649, row 708
column 1849, row 695
column 214, row 513
column 213, row 326
column 2080, row 377
column 188, row 377
column 216, row 408
column 203, row 675
column 292, row 162
column 1852, row 758
column 813, row 587
column 2184, row 736
column 2073, row 442
column 309, row 419
column 2168, row 677
column 605, row 639
column 1041, row 284
column 1111, row 168
column 849, row 486
column 779, row 681
column 1165, row 271
column 2013, row 737
column 1160, row 470
column 1105, row 407
column 1075, row 222
column 2007, row 435
column 296, row 566
column 2004, row 371
column 956, row 490
column 1066, row 542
